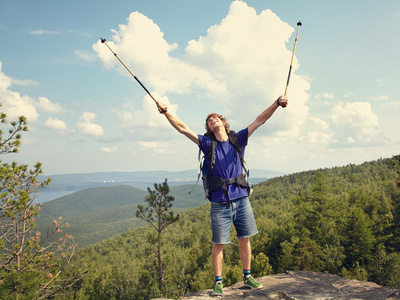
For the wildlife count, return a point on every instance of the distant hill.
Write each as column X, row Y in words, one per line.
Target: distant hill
column 94, row 199
column 64, row 184
column 96, row 214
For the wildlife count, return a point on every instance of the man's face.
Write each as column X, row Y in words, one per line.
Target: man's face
column 214, row 122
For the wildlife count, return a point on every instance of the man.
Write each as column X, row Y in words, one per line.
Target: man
column 238, row 210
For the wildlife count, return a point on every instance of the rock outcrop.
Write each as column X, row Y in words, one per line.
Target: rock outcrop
column 304, row 285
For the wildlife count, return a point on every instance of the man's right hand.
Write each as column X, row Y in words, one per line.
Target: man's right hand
column 162, row 108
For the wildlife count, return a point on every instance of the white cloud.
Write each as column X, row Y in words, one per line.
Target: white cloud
column 5, row 81
column 149, row 116
column 350, row 140
column 16, row 105
column 108, row 149
column 355, row 124
column 393, row 104
column 13, row 104
column 43, row 31
column 126, row 117
column 24, row 82
column 154, row 147
column 247, row 54
column 319, row 123
column 46, row 105
column 379, row 98
column 146, row 122
column 86, row 126
column 55, row 124
column 78, row 32
column 140, row 43
column 85, row 55
column 316, row 137
column 329, row 96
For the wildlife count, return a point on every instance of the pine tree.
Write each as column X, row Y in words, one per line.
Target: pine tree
column 157, row 214
column 31, row 266
column 360, row 237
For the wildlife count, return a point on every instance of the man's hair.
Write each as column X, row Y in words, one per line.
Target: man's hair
column 222, row 118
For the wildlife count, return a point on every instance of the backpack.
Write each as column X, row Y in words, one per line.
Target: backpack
column 213, row 183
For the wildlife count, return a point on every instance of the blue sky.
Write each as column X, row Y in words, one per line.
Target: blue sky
column 87, row 114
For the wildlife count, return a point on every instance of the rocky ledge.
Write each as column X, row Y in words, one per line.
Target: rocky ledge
column 304, row 285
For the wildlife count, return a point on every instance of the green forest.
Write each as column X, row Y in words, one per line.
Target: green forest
column 341, row 220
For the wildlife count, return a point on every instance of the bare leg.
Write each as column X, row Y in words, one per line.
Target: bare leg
column 217, row 256
column 245, row 253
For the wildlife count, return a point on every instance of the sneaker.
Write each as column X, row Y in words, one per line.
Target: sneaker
column 252, row 283
column 218, row 289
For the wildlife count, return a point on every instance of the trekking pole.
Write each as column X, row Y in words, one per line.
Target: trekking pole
column 291, row 62
column 115, row 54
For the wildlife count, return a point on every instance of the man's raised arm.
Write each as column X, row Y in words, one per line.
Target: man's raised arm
column 266, row 114
column 178, row 124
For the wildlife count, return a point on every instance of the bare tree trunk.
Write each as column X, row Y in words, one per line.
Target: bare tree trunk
column 160, row 284
column 160, row 276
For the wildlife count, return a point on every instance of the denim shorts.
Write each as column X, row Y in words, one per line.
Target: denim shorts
column 240, row 213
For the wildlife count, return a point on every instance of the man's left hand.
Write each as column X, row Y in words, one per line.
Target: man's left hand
column 283, row 101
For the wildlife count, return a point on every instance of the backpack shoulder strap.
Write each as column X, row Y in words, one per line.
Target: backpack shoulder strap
column 211, row 151
column 210, row 164
column 210, row 158
column 233, row 139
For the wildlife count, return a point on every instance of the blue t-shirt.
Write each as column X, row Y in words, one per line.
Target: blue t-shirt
column 225, row 164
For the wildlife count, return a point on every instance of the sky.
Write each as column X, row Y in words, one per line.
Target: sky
column 87, row 114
